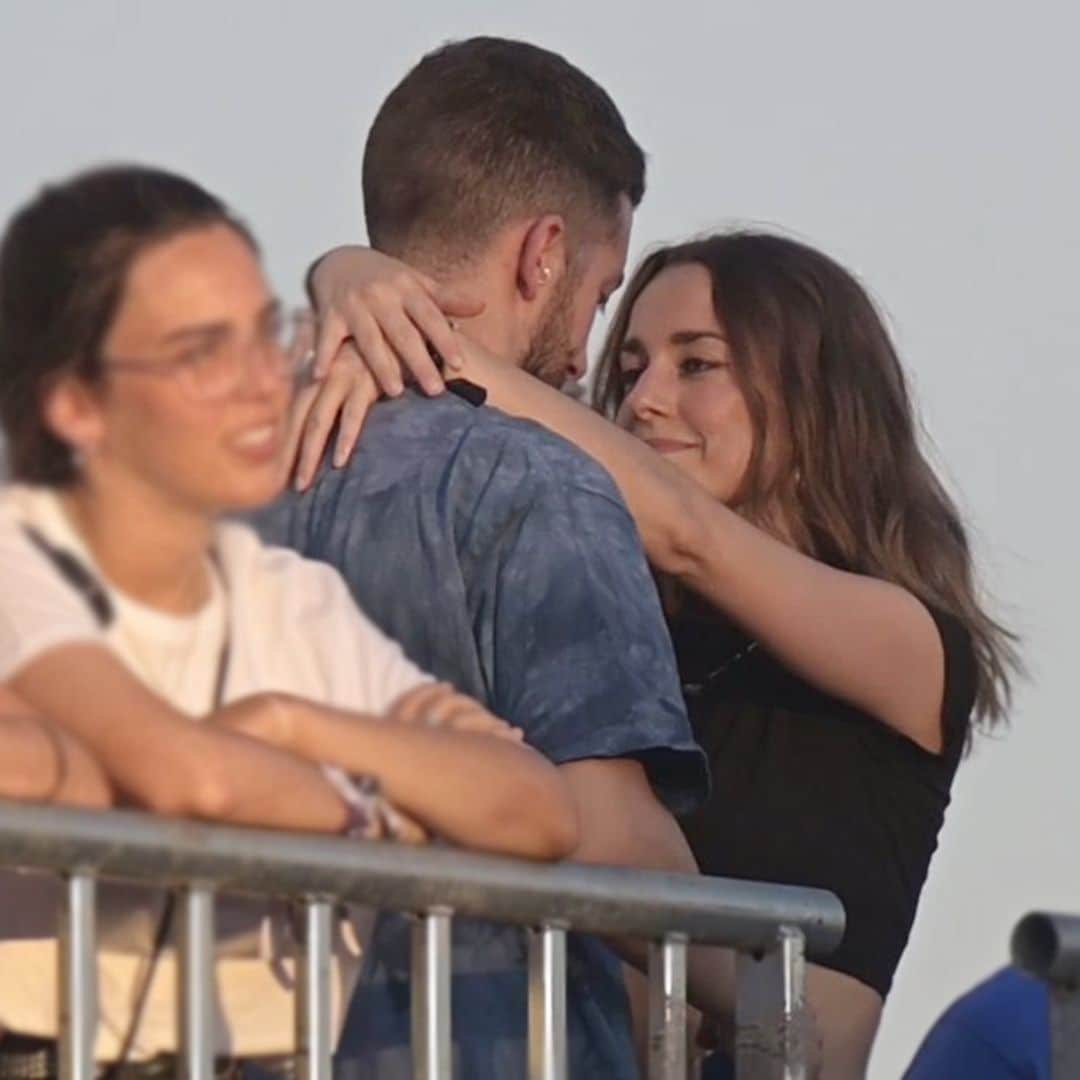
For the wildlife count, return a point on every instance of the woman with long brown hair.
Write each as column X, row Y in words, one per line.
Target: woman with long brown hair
column 833, row 645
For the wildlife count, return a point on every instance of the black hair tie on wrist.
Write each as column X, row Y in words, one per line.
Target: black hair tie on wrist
column 468, row 391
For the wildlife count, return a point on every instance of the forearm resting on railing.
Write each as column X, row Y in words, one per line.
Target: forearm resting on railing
column 159, row 759
column 40, row 762
column 483, row 792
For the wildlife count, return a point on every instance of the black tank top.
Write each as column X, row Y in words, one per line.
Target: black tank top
column 808, row 790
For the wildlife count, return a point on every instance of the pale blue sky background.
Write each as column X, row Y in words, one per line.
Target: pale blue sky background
column 932, row 147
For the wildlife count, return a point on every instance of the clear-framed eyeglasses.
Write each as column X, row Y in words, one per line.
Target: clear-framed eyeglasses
column 216, row 364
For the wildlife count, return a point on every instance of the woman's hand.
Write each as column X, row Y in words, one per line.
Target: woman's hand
column 342, row 398
column 376, row 321
column 270, row 718
column 391, row 312
column 274, row 719
column 439, row 705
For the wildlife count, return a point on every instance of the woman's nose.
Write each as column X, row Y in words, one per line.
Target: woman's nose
column 652, row 393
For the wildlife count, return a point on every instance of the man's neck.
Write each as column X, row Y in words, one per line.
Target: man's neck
column 494, row 328
column 490, row 331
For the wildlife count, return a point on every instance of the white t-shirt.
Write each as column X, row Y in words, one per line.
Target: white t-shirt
column 293, row 627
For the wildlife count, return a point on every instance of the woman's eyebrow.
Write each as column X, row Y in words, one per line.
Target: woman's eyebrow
column 688, row 337
column 634, row 347
column 217, row 329
column 195, row 330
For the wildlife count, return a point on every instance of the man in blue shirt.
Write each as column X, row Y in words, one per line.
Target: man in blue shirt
column 500, row 556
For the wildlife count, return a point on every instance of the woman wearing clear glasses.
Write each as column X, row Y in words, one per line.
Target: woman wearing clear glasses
column 145, row 383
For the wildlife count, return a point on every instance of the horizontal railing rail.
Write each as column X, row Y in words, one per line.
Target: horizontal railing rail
column 1047, row 945
column 771, row 926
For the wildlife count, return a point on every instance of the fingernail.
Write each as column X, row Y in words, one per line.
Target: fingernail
column 456, row 361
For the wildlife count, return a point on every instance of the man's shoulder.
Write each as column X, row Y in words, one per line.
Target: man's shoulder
column 272, row 572
column 442, row 463
column 448, row 437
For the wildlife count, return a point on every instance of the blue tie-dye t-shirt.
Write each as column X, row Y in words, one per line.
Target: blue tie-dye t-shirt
column 504, row 561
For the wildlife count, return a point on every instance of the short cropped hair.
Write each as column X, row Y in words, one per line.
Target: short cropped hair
column 64, row 263
column 484, row 131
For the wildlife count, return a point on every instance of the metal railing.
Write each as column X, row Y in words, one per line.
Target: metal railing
column 1047, row 945
column 772, row 927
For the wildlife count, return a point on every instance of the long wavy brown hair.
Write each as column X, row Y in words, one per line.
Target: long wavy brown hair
column 827, row 396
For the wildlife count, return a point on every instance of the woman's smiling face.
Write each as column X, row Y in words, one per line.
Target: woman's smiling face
column 195, row 300
column 681, row 393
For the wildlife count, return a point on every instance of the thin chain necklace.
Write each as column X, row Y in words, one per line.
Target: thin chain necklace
column 693, row 689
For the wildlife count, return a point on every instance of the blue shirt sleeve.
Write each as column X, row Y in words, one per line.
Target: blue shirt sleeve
column 504, row 561
column 571, row 631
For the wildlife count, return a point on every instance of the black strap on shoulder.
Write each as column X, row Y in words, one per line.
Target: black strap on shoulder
column 76, row 575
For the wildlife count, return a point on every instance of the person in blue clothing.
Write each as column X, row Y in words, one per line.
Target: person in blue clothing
column 1000, row 1030
column 499, row 555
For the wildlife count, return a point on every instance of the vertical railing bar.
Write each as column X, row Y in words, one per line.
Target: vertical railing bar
column 772, row 1034
column 1064, row 1030
column 314, row 1032
column 667, row 1008
column 431, row 1045
column 195, row 993
column 547, row 1002
column 77, row 978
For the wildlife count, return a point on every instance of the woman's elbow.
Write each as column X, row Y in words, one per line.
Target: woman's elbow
column 207, row 796
column 213, row 797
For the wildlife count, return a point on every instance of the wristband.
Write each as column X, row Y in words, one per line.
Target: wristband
column 468, row 391
column 361, row 802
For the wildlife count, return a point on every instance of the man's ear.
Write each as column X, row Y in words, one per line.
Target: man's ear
column 542, row 256
column 72, row 412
